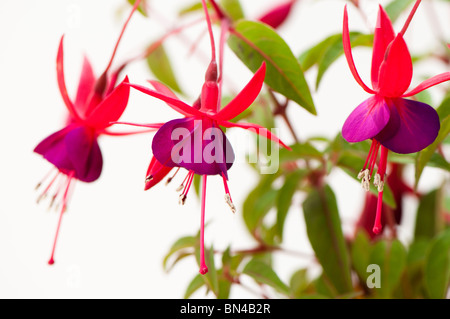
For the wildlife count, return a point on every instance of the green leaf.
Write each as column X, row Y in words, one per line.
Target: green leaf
column 437, row 267
column 264, row 274
column 324, row 230
column 391, row 258
column 444, row 109
column 415, row 266
column 159, row 63
column 329, row 50
column 196, row 184
column 360, row 254
column 284, row 199
column 396, row 7
column 224, row 288
column 299, row 282
column 195, row 7
column 300, row 151
column 258, row 203
column 233, row 9
column 210, row 278
column 194, row 285
column 255, row 42
column 426, row 154
column 180, row 244
column 428, row 217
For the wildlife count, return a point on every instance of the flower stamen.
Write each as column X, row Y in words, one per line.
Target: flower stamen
column 183, row 195
column 228, row 199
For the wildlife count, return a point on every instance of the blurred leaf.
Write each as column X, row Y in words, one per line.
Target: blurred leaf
column 233, row 9
column 298, row 283
column 360, row 254
column 253, row 43
column 195, row 7
column 444, row 109
column 258, row 203
column 324, row 230
column 424, row 97
column 395, row 8
column 194, row 285
column 224, row 287
column 264, row 274
column 196, row 184
column 329, row 50
column 284, row 200
column 210, row 278
column 428, row 218
column 159, row 63
column 300, row 151
column 426, row 154
column 180, row 244
column 324, row 287
column 391, row 258
column 437, row 266
column 415, row 267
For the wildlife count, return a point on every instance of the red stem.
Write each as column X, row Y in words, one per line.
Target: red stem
column 121, row 35
column 203, row 267
column 411, row 15
column 211, row 35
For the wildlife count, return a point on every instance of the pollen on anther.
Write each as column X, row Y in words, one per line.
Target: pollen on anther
column 148, row 178
column 182, row 199
column 230, row 203
column 380, row 186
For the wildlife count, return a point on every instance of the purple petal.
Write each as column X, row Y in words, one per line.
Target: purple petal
column 53, row 149
column 194, row 144
column 416, row 125
column 73, row 149
column 84, row 153
column 367, row 120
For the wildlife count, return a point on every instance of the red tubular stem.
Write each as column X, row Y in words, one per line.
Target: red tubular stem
column 136, row 4
column 203, row 268
column 411, row 15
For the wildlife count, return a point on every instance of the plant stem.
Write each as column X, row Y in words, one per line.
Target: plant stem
column 411, row 15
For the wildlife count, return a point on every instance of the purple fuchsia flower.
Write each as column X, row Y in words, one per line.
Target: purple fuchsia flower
column 390, row 120
column 74, row 150
column 196, row 142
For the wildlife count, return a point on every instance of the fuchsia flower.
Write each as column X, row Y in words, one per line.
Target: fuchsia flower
column 74, row 150
column 196, row 142
column 387, row 118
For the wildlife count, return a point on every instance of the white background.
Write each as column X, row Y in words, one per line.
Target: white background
column 115, row 235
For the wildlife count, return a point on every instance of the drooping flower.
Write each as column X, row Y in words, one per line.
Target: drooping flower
column 277, row 15
column 74, row 150
column 196, row 142
column 390, row 120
